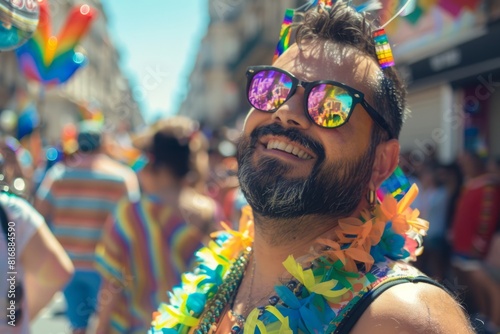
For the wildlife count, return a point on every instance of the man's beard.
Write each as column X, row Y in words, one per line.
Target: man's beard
column 332, row 189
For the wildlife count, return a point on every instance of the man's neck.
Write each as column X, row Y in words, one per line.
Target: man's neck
column 274, row 241
column 272, row 247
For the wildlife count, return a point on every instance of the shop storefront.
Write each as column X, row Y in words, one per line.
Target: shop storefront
column 450, row 58
column 462, row 85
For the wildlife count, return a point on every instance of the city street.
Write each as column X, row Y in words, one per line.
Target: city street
column 250, row 166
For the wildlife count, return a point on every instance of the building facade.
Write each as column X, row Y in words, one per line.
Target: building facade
column 449, row 55
column 240, row 33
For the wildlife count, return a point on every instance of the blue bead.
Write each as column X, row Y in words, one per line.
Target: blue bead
column 235, row 329
column 274, row 300
column 291, row 285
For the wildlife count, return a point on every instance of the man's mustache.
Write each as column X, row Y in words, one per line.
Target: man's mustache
column 292, row 134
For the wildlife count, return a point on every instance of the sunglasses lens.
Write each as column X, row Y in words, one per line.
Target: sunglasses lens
column 269, row 89
column 329, row 105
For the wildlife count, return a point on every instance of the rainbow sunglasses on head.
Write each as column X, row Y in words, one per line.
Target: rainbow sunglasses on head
column 329, row 104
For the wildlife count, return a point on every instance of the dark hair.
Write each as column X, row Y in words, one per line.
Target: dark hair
column 178, row 145
column 172, row 153
column 342, row 24
column 89, row 141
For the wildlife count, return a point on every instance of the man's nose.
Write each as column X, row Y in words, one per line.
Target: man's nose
column 292, row 112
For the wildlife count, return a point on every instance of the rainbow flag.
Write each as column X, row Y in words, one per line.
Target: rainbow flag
column 286, row 32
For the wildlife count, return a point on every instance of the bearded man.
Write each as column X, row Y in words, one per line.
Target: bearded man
column 317, row 254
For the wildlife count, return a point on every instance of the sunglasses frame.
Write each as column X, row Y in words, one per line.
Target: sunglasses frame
column 357, row 96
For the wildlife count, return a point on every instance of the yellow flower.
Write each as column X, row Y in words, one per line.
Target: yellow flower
column 253, row 322
column 170, row 316
column 284, row 327
column 306, row 277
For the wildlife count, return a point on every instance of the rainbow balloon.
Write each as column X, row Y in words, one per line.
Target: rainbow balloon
column 18, row 22
column 52, row 60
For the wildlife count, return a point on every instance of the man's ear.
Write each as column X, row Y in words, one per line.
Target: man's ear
column 386, row 161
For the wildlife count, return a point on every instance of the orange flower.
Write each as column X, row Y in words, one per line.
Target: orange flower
column 333, row 251
column 418, row 225
column 402, row 216
column 361, row 236
column 359, row 254
column 241, row 239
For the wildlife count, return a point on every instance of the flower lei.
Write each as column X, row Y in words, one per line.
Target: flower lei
column 394, row 231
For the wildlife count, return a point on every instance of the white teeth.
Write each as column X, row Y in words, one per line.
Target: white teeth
column 289, row 148
column 281, row 146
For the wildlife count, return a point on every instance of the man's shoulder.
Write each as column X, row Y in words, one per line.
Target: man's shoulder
column 412, row 308
column 57, row 171
column 107, row 162
column 105, row 168
column 198, row 209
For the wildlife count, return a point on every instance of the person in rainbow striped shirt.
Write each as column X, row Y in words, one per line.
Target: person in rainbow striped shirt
column 75, row 197
column 149, row 243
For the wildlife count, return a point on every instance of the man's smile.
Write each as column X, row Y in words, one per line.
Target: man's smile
column 282, row 145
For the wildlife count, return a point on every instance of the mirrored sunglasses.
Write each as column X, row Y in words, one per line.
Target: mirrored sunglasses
column 329, row 104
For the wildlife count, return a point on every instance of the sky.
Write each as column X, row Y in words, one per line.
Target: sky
column 158, row 41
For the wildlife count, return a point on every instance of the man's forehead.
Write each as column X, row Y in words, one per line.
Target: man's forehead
column 325, row 60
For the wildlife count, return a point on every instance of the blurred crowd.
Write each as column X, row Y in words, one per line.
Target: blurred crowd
column 112, row 220
column 113, row 223
column 461, row 201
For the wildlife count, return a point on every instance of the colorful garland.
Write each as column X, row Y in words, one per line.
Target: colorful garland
column 394, row 231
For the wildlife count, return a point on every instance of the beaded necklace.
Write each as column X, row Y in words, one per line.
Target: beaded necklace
column 273, row 300
column 224, row 294
column 240, row 319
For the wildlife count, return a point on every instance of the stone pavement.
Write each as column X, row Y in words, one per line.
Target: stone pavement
column 52, row 319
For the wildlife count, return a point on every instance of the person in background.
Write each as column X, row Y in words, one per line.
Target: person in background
column 433, row 197
column 41, row 265
column 477, row 213
column 490, row 276
column 149, row 243
column 76, row 197
column 493, row 166
column 451, row 177
column 17, row 167
column 476, row 220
